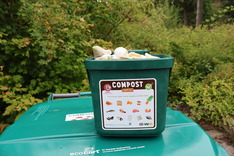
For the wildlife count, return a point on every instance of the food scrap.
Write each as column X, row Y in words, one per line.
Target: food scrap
column 99, row 52
column 109, row 111
column 135, row 110
column 147, row 110
column 119, row 103
column 149, row 117
column 119, row 118
column 149, row 99
column 110, row 118
column 119, row 53
column 129, row 102
column 122, row 111
column 139, row 117
column 108, row 103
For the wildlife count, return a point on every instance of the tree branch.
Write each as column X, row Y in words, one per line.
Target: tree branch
column 116, row 25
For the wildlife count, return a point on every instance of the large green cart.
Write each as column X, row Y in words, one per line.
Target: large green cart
column 65, row 127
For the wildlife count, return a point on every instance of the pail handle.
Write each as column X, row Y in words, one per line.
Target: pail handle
column 52, row 96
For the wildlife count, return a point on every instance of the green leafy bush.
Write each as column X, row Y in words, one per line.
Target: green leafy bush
column 19, row 98
column 202, row 78
column 212, row 99
column 42, row 46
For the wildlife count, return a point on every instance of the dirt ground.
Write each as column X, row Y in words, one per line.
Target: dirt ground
column 220, row 137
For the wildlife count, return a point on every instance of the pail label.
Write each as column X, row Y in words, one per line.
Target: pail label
column 128, row 104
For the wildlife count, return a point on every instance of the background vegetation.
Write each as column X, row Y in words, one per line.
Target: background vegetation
column 43, row 45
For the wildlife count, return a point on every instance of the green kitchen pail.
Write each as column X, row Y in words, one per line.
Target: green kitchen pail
column 130, row 95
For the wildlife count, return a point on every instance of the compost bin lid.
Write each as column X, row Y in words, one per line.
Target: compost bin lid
column 66, row 128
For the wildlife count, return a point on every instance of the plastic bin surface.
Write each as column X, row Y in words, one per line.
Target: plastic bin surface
column 66, row 128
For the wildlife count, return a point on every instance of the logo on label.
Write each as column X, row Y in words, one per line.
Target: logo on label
column 87, row 151
column 107, row 87
column 92, row 151
column 145, row 124
column 148, row 86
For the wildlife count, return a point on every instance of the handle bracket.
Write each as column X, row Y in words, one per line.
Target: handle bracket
column 53, row 96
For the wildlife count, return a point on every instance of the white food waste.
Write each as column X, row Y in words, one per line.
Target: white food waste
column 119, row 53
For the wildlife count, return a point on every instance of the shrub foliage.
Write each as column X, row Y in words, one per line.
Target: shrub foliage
column 42, row 46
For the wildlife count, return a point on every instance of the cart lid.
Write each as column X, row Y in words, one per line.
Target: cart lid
column 66, row 128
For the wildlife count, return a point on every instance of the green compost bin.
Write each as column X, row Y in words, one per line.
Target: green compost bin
column 129, row 96
column 65, row 127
